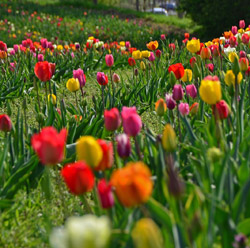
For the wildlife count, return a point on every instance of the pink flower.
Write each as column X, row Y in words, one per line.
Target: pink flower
column 151, row 57
column 243, row 54
column 109, row 60
column 183, row 108
column 112, row 120
column 177, row 92
column 245, row 39
column 101, row 78
column 191, row 90
column 163, row 37
column 123, row 145
column 16, row 48
column 105, row 194
column 40, row 57
column 79, row 74
column 234, row 30
column 12, row 66
column 127, row 44
column 72, row 55
column 170, row 102
column 5, row 123
column 210, row 67
column 132, row 123
column 116, row 78
column 158, row 53
column 44, row 43
column 242, row 24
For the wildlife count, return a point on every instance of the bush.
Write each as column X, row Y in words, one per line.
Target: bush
column 216, row 16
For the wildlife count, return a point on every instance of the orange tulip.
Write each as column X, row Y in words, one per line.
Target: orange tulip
column 152, row 45
column 132, row 184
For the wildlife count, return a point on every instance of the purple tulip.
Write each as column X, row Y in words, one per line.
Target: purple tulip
column 170, row 102
column 178, row 92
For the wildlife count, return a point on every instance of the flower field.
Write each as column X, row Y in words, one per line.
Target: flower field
column 113, row 134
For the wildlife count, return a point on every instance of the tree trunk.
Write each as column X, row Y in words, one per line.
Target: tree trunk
column 137, row 5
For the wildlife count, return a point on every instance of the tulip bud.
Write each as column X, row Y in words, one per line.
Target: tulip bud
column 183, row 109
column 172, row 78
column 191, row 90
column 192, row 61
column 193, row 110
column 147, row 234
column 109, row 60
column 188, row 74
column 163, row 37
column 123, row 145
column 214, row 154
column 221, row 110
column 52, row 98
column 170, row 101
column 178, row 92
column 112, row 119
column 136, row 72
column 234, row 30
column 158, row 53
column 210, row 67
column 143, row 66
column 160, row 107
column 236, row 66
column 116, row 78
column 245, row 39
column 131, row 62
column 205, row 53
column 73, row 84
column 242, row 24
column 5, row 123
column 171, row 47
column 186, row 35
column 232, row 41
column 243, row 62
column 169, row 141
column 105, row 194
column 79, row 74
column 243, row 54
column 151, row 57
column 101, row 78
column 40, row 57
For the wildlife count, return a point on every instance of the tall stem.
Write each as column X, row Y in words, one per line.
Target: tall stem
column 137, row 147
column 46, row 92
column 113, row 87
column 103, row 97
column 179, row 123
column 76, row 99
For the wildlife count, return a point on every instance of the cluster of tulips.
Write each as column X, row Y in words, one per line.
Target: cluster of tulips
column 163, row 189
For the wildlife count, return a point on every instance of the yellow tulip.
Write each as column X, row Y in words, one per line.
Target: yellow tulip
column 187, row 75
column 88, row 150
column 143, row 66
column 52, row 97
column 122, row 43
column 210, row 90
column 230, row 78
column 73, row 84
column 193, row 46
column 137, row 54
column 146, row 234
column 59, row 47
column 145, row 54
column 169, row 141
column 232, row 56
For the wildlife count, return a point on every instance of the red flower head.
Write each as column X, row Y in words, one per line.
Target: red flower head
column 101, row 78
column 177, row 69
column 5, row 123
column 105, row 194
column 43, row 71
column 3, row 46
column 131, row 61
column 186, row 35
column 108, row 155
column 49, row 145
column 221, row 110
column 78, row 177
column 112, row 119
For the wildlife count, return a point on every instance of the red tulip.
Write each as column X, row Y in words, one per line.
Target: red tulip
column 5, row 123
column 192, row 61
column 109, row 60
column 112, row 120
column 158, row 53
column 53, row 68
column 131, row 61
column 205, row 53
column 78, row 177
column 3, row 46
column 105, row 194
column 49, row 145
column 221, row 110
column 171, row 46
column 101, row 78
column 245, row 39
column 177, row 69
column 186, row 35
column 108, row 155
column 43, row 71
column 242, row 24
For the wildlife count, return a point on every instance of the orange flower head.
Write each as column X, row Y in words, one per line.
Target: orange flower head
column 152, row 45
column 132, row 183
column 228, row 34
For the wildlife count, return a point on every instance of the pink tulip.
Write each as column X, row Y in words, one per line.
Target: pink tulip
column 109, row 60
column 170, row 102
column 242, row 24
column 79, row 74
column 132, row 123
column 243, row 54
column 183, row 108
column 116, row 78
column 163, row 37
column 191, row 90
column 127, row 44
column 44, row 43
column 178, row 92
column 151, row 57
column 16, row 48
column 234, row 30
column 105, row 194
column 112, row 120
column 40, row 57
column 123, row 145
column 210, row 67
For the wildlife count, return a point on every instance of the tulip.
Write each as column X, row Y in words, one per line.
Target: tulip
column 44, row 43
column 53, row 68
column 78, row 177
column 183, row 109
column 243, row 54
column 221, row 110
column 152, row 57
column 177, row 69
column 101, row 78
column 49, row 145
column 210, row 90
column 131, row 121
column 193, row 46
column 205, row 53
column 40, row 57
column 191, row 90
column 145, row 54
column 163, row 37
column 177, row 92
column 105, row 194
column 186, row 35
column 230, row 78
column 108, row 155
column 112, row 120
column 43, row 71
column 169, row 141
column 88, row 231
column 244, row 63
column 89, row 150
column 160, row 107
column 147, row 234
column 12, row 66
column 193, row 110
column 242, row 24
column 187, row 75
column 79, row 74
column 132, row 184
column 172, row 46
column 131, row 62
column 210, row 67
column 234, row 30
column 3, row 46
column 247, row 73
column 123, row 145
column 233, row 41
column 170, row 101
column 127, row 44
column 16, row 48
column 77, row 45
column 192, row 61
column 73, row 85
column 245, row 39
column 109, row 60
column 142, row 66
column 52, row 98
column 152, row 45
column 158, row 53
column 215, row 50
column 116, row 78
column 5, row 123
column 136, row 54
